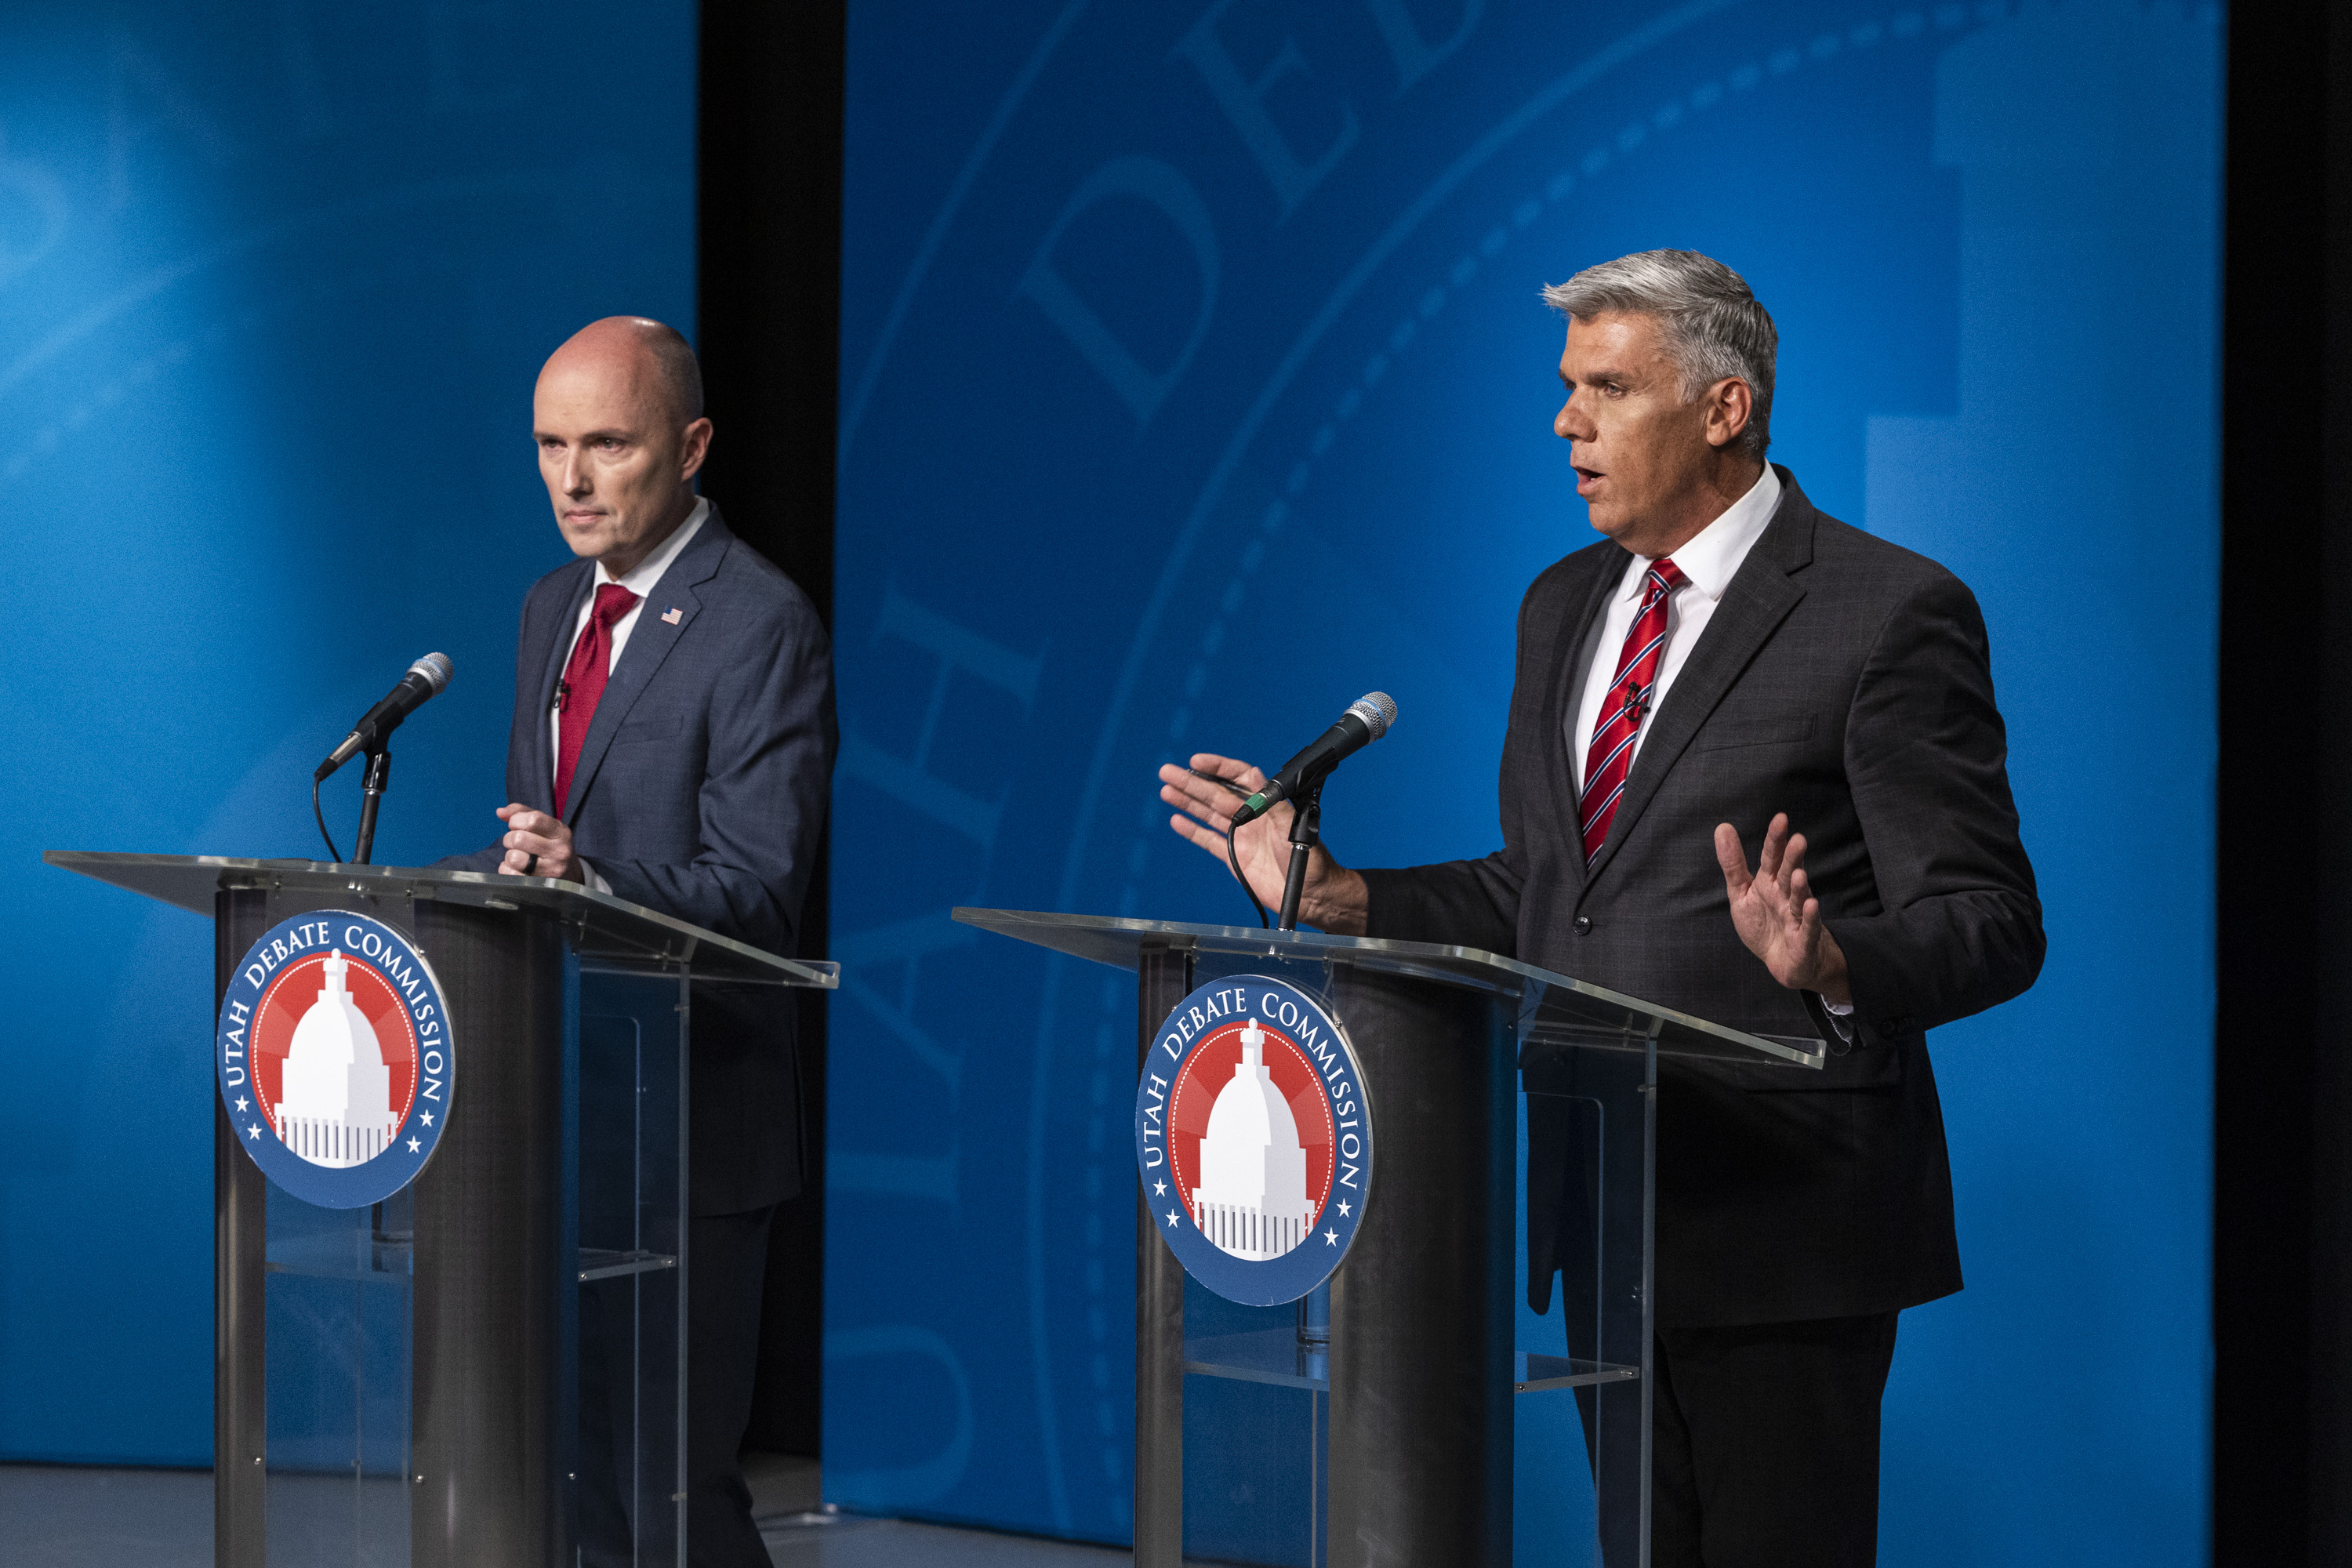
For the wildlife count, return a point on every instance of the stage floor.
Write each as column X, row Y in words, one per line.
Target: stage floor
column 72, row 1516
column 899, row 1543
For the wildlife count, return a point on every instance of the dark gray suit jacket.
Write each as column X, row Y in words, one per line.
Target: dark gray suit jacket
column 1845, row 682
column 700, row 791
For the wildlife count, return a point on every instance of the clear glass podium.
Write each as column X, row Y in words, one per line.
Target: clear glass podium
column 488, row 1367
column 1372, row 1423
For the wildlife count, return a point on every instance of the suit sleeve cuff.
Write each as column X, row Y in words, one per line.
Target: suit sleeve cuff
column 1875, row 1018
column 1838, row 1031
column 1389, row 906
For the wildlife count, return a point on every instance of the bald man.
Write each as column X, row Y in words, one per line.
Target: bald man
column 673, row 745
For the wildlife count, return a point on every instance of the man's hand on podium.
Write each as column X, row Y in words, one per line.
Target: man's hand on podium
column 537, row 845
column 1333, row 896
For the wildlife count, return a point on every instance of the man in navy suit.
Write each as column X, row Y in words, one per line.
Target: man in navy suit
column 673, row 745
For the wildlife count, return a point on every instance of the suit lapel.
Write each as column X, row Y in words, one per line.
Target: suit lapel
column 557, row 640
column 650, row 642
column 1759, row 599
column 1559, row 702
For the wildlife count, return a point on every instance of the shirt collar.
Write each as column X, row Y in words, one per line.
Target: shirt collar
column 642, row 577
column 1713, row 556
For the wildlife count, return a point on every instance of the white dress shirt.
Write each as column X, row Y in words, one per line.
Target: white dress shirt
column 1708, row 563
column 640, row 580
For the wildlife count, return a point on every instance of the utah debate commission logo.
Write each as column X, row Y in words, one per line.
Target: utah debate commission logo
column 1252, row 1139
column 334, row 1058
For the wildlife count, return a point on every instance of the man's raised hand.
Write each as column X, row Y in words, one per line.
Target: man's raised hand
column 1776, row 914
column 1206, row 819
column 1333, row 896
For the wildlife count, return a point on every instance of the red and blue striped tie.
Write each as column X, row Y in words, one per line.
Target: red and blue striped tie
column 1611, row 756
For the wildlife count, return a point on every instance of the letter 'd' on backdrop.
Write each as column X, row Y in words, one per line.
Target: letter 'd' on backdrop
column 1149, row 181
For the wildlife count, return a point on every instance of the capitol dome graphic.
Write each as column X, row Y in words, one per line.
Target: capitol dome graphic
column 1252, row 1201
column 335, row 1108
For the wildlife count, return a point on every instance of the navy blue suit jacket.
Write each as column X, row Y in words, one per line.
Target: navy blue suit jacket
column 700, row 791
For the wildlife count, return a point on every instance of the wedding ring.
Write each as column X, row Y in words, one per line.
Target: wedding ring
column 531, row 870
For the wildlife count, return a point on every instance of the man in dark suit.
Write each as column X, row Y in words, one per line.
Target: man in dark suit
column 673, row 745
column 1730, row 661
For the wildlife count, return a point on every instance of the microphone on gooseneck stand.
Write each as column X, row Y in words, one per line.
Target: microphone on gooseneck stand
column 1300, row 782
column 424, row 681
column 1367, row 720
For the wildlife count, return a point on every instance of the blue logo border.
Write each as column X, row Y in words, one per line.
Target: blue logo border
column 349, row 1187
column 1277, row 1281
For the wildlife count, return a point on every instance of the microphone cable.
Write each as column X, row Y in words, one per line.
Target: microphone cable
column 1233, row 858
column 333, row 854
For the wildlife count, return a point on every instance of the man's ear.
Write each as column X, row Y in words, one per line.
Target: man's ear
column 695, row 447
column 1730, row 404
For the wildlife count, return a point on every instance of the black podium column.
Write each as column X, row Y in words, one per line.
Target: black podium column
column 490, row 1254
column 486, row 1484
column 1163, row 977
column 240, row 1237
column 1422, row 1311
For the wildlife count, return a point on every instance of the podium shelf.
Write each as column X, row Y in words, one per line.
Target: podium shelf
column 608, row 933
column 600, row 1263
column 1276, row 1356
column 1553, row 1008
column 1262, row 1355
column 353, row 1255
column 361, row 1257
column 1535, row 1372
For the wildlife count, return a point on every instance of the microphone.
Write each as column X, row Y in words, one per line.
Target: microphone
column 1366, row 721
column 424, row 679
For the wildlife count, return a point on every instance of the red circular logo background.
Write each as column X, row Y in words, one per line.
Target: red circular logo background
column 294, row 990
column 1203, row 1077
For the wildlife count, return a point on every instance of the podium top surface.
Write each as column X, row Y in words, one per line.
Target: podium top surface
column 1556, row 1005
column 602, row 927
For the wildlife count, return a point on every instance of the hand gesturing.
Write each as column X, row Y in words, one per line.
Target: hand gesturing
column 1332, row 896
column 1776, row 914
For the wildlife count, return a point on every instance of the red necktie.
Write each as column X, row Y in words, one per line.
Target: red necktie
column 1611, row 756
column 583, row 682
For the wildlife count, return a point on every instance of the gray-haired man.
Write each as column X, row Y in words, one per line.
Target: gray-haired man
column 1728, row 664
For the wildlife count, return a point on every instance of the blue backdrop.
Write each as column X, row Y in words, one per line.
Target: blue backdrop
column 1194, row 382
column 275, row 279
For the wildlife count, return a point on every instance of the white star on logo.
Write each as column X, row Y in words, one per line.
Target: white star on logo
column 1159, row 1189
column 428, row 1118
column 253, row 1131
column 242, row 1104
column 414, row 1145
column 1171, row 1219
column 1344, row 1210
column 1330, row 1238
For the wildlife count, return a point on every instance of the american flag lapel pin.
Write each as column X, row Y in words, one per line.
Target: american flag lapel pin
column 673, row 616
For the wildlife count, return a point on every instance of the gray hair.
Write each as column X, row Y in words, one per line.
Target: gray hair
column 1714, row 328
